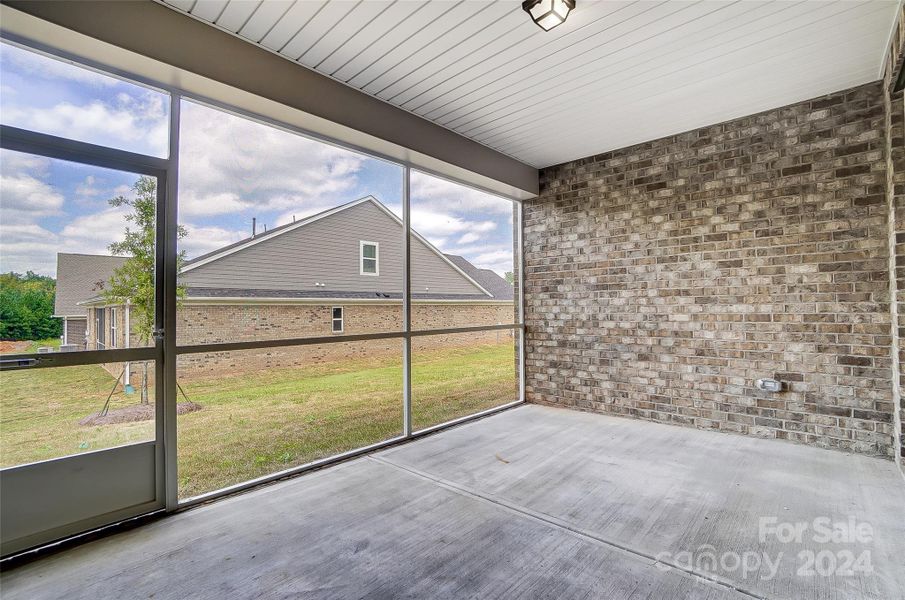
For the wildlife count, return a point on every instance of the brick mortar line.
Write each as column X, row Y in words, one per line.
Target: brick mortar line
column 562, row 525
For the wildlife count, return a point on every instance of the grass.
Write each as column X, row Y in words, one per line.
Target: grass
column 52, row 342
column 40, row 412
column 15, row 347
column 257, row 423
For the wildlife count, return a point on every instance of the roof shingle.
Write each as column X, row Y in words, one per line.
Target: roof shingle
column 81, row 277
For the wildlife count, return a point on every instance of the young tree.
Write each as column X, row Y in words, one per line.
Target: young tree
column 133, row 282
column 510, row 278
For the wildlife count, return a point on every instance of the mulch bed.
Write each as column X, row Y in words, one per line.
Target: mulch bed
column 136, row 412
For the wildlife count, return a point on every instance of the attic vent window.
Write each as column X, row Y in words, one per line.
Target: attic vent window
column 370, row 254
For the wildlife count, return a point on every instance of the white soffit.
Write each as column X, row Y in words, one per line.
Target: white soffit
column 615, row 74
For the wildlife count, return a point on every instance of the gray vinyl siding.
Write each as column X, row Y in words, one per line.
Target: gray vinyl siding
column 327, row 251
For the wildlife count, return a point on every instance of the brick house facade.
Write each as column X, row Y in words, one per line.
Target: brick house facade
column 213, row 324
column 314, row 278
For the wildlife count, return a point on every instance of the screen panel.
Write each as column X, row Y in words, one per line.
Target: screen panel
column 277, row 230
column 251, row 413
column 464, row 255
column 455, row 375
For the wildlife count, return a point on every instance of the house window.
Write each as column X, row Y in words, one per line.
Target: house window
column 113, row 328
column 370, row 253
column 337, row 319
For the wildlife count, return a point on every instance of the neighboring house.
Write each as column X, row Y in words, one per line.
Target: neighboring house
column 333, row 273
column 81, row 277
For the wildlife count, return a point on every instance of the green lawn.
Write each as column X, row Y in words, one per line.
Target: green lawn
column 257, row 423
column 52, row 342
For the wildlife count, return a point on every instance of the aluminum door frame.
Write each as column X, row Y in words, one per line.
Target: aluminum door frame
column 135, row 474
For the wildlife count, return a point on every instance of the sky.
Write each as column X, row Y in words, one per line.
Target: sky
column 231, row 170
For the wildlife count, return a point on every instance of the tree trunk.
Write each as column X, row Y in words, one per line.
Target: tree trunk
column 144, row 384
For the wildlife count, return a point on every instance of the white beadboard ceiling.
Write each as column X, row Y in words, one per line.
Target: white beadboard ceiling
column 615, row 74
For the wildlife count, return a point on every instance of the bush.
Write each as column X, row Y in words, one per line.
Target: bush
column 26, row 307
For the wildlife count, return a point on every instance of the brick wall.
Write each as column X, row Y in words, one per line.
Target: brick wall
column 895, row 144
column 236, row 323
column 213, row 324
column 663, row 279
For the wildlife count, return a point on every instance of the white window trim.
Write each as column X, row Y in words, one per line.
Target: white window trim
column 112, row 316
column 361, row 258
column 341, row 319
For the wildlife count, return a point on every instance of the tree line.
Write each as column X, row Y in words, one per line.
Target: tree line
column 26, row 301
column 26, row 307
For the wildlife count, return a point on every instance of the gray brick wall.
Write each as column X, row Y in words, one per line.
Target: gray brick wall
column 663, row 279
column 895, row 140
column 223, row 323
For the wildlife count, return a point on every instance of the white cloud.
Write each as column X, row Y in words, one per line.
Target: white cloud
column 201, row 240
column 28, row 198
column 22, row 257
column 29, row 246
column 139, row 125
column 37, row 65
column 433, row 193
column 464, row 221
column 75, row 102
column 24, row 196
column 26, row 233
column 14, row 163
column 93, row 233
column 89, row 187
column 260, row 168
column 220, row 203
column 430, row 224
column 497, row 260
column 497, row 257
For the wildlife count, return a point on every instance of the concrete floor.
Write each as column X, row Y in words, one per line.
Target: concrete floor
column 534, row 502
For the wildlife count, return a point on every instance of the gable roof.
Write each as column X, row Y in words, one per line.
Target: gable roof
column 489, row 280
column 282, row 229
column 81, row 277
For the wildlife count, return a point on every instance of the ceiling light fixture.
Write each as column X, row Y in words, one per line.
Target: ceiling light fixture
column 548, row 13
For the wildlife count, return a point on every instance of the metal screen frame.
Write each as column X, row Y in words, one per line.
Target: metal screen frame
column 84, row 153
column 166, row 350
